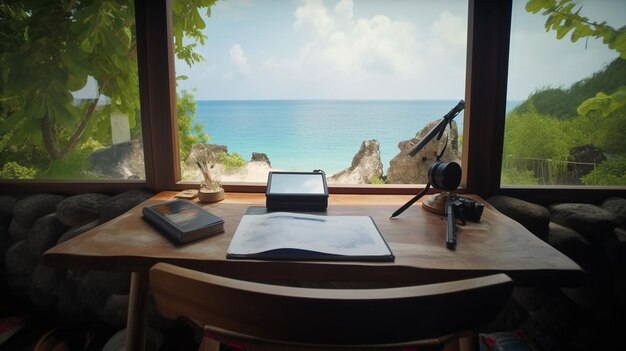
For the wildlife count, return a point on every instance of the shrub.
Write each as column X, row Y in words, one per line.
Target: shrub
column 610, row 172
column 376, row 180
column 13, row 170
column 232, row 161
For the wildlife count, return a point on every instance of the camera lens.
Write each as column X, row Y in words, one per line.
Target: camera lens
column 445, row 175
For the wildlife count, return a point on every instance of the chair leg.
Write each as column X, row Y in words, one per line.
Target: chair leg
column 451, row 345
column 469, row 343
column 463, row 342
column 208, row 344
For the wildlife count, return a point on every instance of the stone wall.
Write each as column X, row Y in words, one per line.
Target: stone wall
column 30, row 225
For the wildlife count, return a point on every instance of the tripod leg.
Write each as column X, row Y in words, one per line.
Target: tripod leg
column 410, row 202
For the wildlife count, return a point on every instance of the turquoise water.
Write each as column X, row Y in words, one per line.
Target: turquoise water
column 303, row 135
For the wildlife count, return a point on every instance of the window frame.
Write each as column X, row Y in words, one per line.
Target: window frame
column 488, row 38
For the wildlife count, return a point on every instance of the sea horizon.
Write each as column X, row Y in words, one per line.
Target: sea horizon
column 308, row 134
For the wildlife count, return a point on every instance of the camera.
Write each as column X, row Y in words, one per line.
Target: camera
column 467, row 209
column 445, row 175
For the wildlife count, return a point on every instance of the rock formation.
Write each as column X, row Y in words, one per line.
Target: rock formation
column 365, row 165
column 120, row 161
column 583, row 160
column 260, row 157
column 404, row 169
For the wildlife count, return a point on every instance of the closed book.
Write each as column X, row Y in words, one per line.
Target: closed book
column 183, row 221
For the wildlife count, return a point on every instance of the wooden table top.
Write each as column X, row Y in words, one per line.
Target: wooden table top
column 416, row 237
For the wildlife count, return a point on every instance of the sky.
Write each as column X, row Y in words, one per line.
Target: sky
column 368, row 49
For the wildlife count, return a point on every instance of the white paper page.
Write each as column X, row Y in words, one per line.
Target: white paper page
column 340, row 235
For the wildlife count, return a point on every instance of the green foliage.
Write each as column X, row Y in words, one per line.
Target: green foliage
column 55, row 46
column 516, row 176
column 537, row 143
column 189, row 132
column 610, row 172
column 549, row 101
column 532, row 135
column 188, row 24
column 74, row 165
column 606, row 133
column 563, row 19
column 376, row 180
column 540, row 132
column 562, row 102
column 536, row 146
column 603, row 103
column 49, row 48
column 232, row 161
column 13, row 170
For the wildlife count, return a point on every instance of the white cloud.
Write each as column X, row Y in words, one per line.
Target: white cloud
column 343, row 49
column 343, row 15
column 449, row 34
column 445, row 51
column 239, row 59
column 313, row 18
column 337, row 44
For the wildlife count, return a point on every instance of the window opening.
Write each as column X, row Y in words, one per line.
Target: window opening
column 342, row 86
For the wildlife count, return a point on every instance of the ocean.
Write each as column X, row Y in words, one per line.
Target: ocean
column 303, row 135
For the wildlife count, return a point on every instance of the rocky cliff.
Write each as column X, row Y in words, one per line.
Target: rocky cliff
column 404, row 169
column 365, row 165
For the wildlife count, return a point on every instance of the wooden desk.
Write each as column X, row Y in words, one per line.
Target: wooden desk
column 417, row 239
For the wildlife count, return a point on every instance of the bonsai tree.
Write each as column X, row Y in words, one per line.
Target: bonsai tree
column 208, row 184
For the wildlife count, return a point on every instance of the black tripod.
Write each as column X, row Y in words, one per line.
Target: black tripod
column 442, row 175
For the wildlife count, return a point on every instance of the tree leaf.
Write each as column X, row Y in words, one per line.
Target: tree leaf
column 619, row 43
column 177, row 6
column 603, row 103
column 86, row 45
column 76, row 82
column 535, row 6
column 12, row 121
column 197, row 19
column 581, row 31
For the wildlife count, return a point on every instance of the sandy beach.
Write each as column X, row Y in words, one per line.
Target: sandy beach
column 254, row 171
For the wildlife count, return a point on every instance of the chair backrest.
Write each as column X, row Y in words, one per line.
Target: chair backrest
column 338, row 317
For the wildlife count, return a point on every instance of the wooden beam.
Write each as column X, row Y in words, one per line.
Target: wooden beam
column 489, row 29
column 157, row 92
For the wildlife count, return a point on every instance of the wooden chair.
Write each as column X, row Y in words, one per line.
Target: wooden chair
column 255, row 316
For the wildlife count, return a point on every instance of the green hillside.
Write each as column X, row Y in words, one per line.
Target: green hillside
column 544, row 135
column 562, row 103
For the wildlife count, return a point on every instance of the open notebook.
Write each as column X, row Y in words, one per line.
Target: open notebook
column 296, row 236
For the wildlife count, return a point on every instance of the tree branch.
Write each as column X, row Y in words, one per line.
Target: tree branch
column 49, row 138
column 83, row 123
column 585, row 20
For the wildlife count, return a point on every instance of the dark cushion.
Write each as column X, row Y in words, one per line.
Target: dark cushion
column 28, row 209
column 80, row 209
column 593, row 222
column 533, row 217
column 617, row 206
column 570, row 243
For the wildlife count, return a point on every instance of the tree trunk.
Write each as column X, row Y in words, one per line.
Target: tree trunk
column 49, row 138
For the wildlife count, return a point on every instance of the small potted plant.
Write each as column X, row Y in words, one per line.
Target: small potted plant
column 210, row 189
